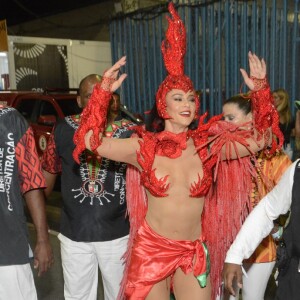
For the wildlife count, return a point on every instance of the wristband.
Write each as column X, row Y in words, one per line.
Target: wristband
column 259, row 83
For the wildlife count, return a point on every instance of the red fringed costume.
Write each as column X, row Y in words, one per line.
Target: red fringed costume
column 229, row 201
column 226, row 184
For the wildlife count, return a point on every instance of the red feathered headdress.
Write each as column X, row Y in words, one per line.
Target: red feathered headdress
column 173, row 50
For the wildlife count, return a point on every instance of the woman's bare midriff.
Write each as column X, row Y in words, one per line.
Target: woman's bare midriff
column 177, row 216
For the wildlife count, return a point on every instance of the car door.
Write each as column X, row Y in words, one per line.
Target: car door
column 41, row 112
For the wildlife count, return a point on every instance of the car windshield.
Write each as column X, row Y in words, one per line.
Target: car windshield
column 69, row 106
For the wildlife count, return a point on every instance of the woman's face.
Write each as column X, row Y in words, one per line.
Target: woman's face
column 181, row 107
column 233, row 114
column 277, row 99
column 114, row 105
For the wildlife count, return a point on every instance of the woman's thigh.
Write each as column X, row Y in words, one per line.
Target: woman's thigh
column 186, row 286
column 160, row 290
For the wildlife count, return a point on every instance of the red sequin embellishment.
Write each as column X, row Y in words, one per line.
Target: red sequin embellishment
column 93, row 118
column 173, row 50
column 266, row 118
column 106, row 83
column 170, row 144
column 259, row 84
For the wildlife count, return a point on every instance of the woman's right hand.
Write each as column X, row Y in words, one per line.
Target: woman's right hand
column 258, row 71
column 111, row 82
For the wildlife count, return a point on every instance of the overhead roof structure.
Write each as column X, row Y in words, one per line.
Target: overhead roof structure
column 19, row 11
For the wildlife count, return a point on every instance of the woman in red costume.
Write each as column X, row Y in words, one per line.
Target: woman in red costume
column 167, row 248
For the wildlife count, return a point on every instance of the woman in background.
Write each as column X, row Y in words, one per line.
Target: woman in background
column 259, row 266
column 286, row 121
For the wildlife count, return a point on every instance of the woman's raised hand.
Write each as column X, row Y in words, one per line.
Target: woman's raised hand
column 258, row 70
column 113, row 75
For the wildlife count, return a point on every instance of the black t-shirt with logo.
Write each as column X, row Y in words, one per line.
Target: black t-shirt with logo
column 94, row 199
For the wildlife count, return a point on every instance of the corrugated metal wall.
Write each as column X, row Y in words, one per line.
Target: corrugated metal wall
column 219, row 36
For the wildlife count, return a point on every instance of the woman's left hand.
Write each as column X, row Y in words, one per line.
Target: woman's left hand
column 113, row 74
column 258, row 69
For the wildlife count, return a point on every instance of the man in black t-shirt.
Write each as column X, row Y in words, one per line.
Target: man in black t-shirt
column 94, row 228
column 20, row 176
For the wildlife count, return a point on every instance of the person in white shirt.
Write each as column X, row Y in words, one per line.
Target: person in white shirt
column 258, row 225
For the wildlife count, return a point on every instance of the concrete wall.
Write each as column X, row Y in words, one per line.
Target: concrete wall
column 82, row 57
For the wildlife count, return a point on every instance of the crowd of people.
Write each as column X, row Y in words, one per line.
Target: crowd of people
column 157, row 208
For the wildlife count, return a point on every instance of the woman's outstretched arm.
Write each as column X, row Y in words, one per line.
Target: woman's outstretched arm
column 123, row 150
column 264, row 133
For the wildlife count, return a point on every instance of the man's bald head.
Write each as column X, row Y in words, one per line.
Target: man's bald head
column 86, row 87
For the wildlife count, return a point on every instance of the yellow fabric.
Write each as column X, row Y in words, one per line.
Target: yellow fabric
column 271, row 169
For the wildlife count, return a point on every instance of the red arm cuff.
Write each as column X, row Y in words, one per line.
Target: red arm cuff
column 93, row 118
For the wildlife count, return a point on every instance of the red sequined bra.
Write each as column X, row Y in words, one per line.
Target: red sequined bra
column 171, row 145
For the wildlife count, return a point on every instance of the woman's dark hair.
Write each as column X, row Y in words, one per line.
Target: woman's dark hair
column 155, row 123
column 242, row 101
